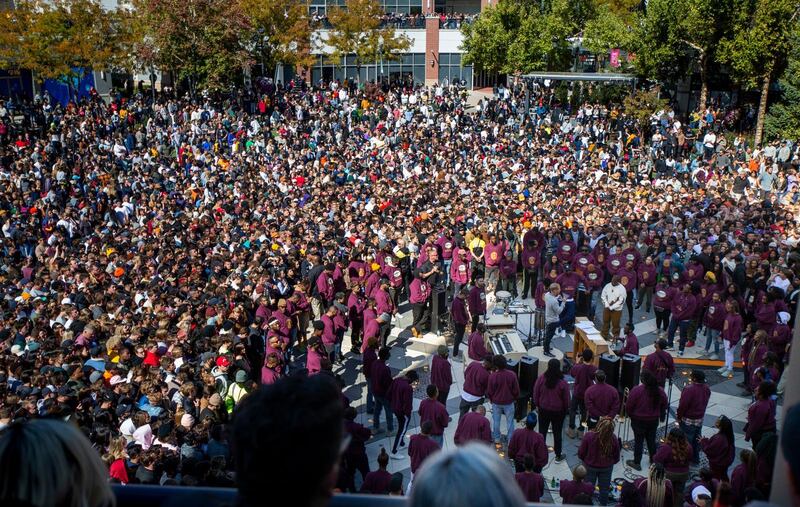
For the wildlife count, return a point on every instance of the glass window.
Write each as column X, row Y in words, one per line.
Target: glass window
column 455, row 58
column 444, row 59
column 407, row 59
column 419, row 58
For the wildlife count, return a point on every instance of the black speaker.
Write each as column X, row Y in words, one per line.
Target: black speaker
column 513, row 365
column 631, row 368
column 521, row 407
column 609, row 363
column 439, row 310
column 528, row 370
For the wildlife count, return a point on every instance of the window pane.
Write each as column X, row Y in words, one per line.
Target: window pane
column 407, row 59
column 466, row 75
column 455, row 59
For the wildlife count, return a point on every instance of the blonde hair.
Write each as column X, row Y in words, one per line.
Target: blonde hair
column 48, row 463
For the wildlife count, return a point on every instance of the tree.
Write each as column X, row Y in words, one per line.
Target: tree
column 674, row 34
column 199, row 40
column 610, row 28
column 642, row 104
column 514, row 37
column 281, row 32
column 783, row 117
column 758, row 48
column 64, row 39
column 356, row 30
column 488, row 38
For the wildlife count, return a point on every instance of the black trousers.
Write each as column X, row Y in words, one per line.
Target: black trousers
column 629, row 304
column 475, row 319
column 662, row 319
column 556, row 419
column 528, row 282
column 643, row 432
column 421, row 314
column 458, row 336
column 402, row 427
column 549, row 332
column 465, row 406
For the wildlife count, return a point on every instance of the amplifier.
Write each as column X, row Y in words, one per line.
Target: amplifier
column 631, row 368
column 610, row 364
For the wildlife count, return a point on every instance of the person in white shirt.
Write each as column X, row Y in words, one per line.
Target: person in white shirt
column 613, row 299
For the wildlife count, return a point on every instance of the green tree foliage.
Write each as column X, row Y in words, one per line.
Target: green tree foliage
column 642, row 104
column 514, row 37
column 783, row 117
column 199, row 40
column 64, row 38
column 357, row 31
column 763, row 36
column 674, row 36
column 280, row 31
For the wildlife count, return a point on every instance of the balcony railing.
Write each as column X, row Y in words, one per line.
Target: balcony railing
column 172, row 496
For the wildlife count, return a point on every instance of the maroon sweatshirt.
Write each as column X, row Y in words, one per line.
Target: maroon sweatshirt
column 419, row 448
column 720, row 454
column 401, row 396
column 476, row 347
column 436, row 413
column 531, row 484
column 441, row 373
column 642, row 407
column 631, row 344
column 473, row 426
column 602, row 400
column 760, row 417
column 377, row 482
column 570, row 489
column 694, row 400
column 459, row 311
column 503, row 387
column 666, row 457
column 524, row 441
column 381, row 378
column 660, row 364
column 589, row 451
column 554, row 399
column 367, row 360
column 583, row 373
column 476, row 379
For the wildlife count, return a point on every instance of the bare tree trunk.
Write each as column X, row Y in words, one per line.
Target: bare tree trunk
column 703, row 80
column 762, row 108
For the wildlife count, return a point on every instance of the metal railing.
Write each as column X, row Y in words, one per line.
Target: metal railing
column 172, row 496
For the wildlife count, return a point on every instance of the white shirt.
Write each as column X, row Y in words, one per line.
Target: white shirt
column 613, row 297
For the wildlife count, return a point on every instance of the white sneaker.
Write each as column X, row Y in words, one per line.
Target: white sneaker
column 721, row 370
column 680, row 353
column 713, row 357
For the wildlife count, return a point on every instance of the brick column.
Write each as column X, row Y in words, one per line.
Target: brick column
column 427, row 6
column 431, row 50
column 486, row 3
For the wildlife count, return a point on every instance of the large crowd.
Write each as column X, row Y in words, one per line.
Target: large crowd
column 162, row 259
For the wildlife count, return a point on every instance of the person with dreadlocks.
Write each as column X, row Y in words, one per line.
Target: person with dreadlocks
column 600, row 451
column 655, row 490
column 675, row 454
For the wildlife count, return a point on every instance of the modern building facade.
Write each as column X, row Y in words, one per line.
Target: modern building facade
column 435, row 55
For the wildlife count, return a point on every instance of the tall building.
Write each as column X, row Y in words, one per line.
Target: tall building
column 431, row 25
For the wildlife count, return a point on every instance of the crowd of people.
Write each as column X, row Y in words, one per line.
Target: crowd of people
column 162, row 259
